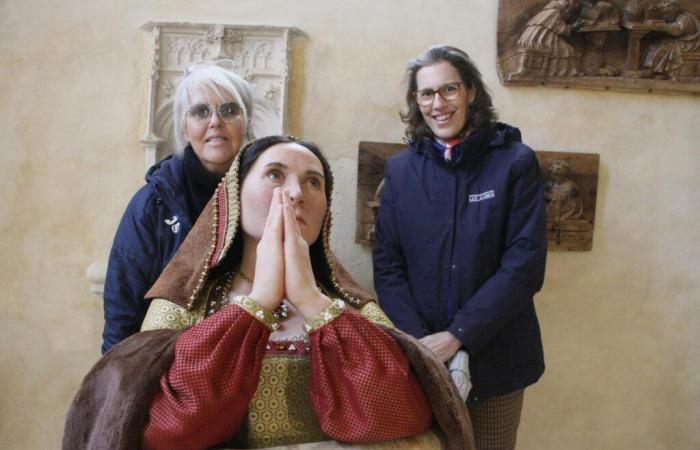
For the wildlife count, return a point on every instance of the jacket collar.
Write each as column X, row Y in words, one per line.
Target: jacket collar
column 473, row 149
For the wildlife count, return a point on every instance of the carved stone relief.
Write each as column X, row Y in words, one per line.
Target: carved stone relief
column 570, row 187
column 259, row 54
column 570, row 180
column 638, row 45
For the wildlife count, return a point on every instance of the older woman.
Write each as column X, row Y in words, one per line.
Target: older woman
column 212, row 111
column 460, row 239
column 257, row 338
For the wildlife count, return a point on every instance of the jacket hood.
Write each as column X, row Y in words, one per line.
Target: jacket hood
column 168, row 179
column 504, row 134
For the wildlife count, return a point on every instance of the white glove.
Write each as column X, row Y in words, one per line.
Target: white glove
column 459, row 372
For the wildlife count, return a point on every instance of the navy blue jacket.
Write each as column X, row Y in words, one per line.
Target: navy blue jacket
column 461, row 246
column 154, row 225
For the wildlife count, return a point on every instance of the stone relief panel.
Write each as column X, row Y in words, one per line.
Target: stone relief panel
column 629, row 45
column 258, row 53
column 570, row 181
column 570, row 189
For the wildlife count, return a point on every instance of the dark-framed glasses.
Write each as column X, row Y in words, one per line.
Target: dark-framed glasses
column 228, row 112
column 448, row 91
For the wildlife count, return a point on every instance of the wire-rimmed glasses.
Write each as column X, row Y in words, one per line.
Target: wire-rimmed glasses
column 201, row 112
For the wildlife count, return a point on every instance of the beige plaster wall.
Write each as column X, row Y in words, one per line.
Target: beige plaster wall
column 621, row 323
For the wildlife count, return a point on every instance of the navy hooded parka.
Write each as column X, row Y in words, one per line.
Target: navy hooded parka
column 154, row 225
column 461, row 246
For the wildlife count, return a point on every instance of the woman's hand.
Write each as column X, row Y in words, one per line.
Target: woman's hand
column 299, row 281
column 443, row 344
column 268, row 285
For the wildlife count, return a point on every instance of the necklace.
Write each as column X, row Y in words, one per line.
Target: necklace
column 281, row 312
column 238, row 271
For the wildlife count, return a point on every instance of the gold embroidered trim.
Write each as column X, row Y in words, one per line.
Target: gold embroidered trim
column 257, row 311
column 205, row 270
column 373, row 312
column 218, row 295
column 326, row 235
column 234, row 205
column 164, row 314
column 231, row 185
column 331, row 312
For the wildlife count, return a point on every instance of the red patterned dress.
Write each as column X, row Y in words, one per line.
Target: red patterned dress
column 230, row 384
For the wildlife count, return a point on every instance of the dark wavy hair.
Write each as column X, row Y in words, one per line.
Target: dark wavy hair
column 480, row 115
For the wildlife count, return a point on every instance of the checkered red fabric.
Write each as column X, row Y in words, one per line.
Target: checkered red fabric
column 362, row 388
column 204, row 396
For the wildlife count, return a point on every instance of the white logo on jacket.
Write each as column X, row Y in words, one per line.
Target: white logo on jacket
column 174, row 224
column 473, row 198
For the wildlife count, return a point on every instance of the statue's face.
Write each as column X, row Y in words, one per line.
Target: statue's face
column 291, row 167
column 558, row 170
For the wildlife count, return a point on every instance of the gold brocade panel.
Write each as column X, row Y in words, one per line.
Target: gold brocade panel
column 280, row 412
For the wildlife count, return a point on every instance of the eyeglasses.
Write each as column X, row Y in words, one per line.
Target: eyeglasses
column 227, row 64
column 448, row 91
column 228, row 112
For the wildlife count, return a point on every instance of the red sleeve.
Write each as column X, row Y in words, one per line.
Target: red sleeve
column 204, row 396
column 362, row 387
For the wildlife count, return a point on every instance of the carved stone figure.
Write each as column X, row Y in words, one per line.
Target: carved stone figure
column 562, row 194
column 665, row 58
column 594, row 59
column 544, row 46
column 600, row 18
